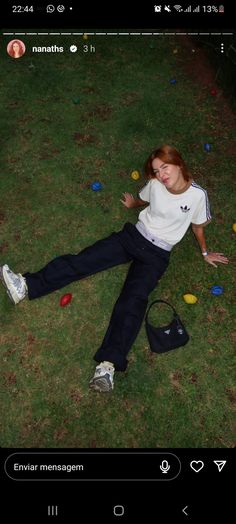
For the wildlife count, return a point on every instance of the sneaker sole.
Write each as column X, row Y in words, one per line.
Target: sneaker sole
column 100, row 384
column 10, row 295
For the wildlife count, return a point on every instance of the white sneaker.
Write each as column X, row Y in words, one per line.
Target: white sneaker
column 103, row 377
column 14, row 283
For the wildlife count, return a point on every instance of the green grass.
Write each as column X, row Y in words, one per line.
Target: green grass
column 127, row 107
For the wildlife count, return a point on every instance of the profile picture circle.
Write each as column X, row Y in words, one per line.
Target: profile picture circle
column 16, row 48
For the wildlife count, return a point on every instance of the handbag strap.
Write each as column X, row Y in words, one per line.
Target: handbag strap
column 163, row 302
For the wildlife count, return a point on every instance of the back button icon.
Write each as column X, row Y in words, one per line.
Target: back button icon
column 185, row 511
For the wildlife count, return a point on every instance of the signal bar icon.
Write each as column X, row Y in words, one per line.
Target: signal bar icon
column 220, row 464
column 188, row 9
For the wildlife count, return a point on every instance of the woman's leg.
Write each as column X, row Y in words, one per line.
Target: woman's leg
column 65, row 269
column 129, row 311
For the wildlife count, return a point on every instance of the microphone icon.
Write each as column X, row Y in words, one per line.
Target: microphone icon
column 164, row 467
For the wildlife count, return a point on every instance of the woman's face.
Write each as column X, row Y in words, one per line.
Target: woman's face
column 169, row 175
column 16, row 47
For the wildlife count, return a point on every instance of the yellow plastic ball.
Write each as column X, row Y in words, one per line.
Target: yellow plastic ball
column 135, row 175
column 234, row 227
column 190, row 299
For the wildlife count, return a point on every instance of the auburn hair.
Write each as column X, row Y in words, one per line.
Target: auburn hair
column 11, row 50
column 169, row 155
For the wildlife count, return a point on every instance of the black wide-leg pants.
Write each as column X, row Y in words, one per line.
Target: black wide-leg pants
column 149, row 262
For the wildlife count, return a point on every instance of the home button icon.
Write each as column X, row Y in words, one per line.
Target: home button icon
column 118, row 511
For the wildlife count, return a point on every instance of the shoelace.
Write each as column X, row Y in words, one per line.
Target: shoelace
column 16, row 281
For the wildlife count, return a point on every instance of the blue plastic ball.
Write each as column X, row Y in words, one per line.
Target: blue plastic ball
column 173, row 81
column 207, row 147
column 96, row 186
column 217, row 290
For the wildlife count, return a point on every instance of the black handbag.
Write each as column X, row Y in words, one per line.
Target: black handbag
column 165, row 338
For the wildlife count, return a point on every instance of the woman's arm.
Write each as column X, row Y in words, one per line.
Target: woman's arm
column 210, row 257
column 129, row 201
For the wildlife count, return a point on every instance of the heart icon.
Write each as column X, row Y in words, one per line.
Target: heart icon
column 197, row 465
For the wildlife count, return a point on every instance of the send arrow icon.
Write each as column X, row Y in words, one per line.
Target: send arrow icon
column 220, row 464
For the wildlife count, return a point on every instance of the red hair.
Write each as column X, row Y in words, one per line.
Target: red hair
column 11, row 50
column 169, row 155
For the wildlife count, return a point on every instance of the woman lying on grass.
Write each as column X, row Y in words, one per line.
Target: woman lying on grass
column 172, row 202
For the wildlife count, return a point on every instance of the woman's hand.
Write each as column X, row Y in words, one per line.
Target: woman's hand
column 128, row 200
column 216, row 257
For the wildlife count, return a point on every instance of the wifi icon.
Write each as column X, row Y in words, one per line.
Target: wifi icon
column 178, row 8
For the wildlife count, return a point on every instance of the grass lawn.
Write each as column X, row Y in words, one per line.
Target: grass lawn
column 66, row 121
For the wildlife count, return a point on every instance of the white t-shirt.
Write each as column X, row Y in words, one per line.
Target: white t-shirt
column 169, row 215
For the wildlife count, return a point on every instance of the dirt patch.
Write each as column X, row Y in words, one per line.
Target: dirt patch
column 231, row 394
column 2, row 218
column 47, row 155
column 175, row 380
column 9, row 378
column 4, row 247
column 102, row 112
column 123, row 174
column 193, row 378
column 83, row 139
column 76, row 396
column 89, row 90
column 194, row 62
column 130, row 98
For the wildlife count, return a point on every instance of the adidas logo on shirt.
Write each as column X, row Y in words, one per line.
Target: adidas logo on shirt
column 185, row 209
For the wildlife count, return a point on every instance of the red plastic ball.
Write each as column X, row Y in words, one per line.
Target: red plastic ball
column 213, row 92
column 65, row 299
